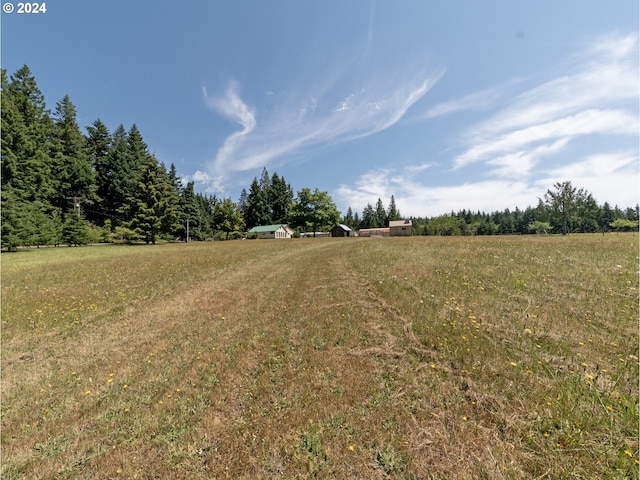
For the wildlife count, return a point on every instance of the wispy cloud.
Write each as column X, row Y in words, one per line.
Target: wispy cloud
column 231, row 106
column 286, row 129
column 475, row 101
column 508, row 155
column 586, row 122
column 597, row 96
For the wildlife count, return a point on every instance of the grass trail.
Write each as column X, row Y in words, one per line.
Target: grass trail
column 356, row 358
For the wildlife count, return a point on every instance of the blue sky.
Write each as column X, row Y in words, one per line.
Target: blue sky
column 444, row 104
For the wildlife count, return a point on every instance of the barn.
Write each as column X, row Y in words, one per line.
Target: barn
column 374, row 232
column 341, row 231
column 400, row 228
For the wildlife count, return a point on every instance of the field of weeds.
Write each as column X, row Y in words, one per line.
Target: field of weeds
column 412, row 358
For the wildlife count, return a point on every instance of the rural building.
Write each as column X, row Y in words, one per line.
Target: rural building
column 374, row 232
column 400, row 228
column 341, row 231
column 272, row 231
column 314, row 234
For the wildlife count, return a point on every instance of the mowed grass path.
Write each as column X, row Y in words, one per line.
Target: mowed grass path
column 496, row 357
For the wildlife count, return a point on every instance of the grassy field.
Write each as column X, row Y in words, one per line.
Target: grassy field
column 408, row 358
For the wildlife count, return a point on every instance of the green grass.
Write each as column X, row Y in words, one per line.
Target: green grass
column 494, row 357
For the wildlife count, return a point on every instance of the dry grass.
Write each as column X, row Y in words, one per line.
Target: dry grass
column 512, row 357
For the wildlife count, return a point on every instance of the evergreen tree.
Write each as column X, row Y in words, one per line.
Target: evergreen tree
column 97, row 145
column 190, row 213
column 74, row 230
column 257, row 208
column 381, row 215
column 151, row 209
column 587, row 212
column 112, row 177
column 368, row 217
column 631, row 213
column 136, row 160
column 171, row 215
column 25, row 170
column 265, row 183
column 25, row 157
column 129, row 160
column 243, row 204
column 72, row 174
column 279, row 197
column 393, row 213
column 356, row 220
column 348, row 219
column 26, row 130
column 175, row 181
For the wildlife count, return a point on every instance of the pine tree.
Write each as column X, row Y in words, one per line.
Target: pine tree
column 348, row 219
column 26, row 130
column 368, row 217
column 279, row 197
column 26, row 179
column 151, row 210
column 97, row 145
column 393, row 213
column 380, row 215
column 112, row 177
column 175, row 181
column 74, row 230
column 356, row 220
column 190, row 213
column 73, row 177
column 243, row 204
column 257, row 208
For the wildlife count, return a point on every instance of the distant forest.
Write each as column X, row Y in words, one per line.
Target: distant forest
column 64, row 187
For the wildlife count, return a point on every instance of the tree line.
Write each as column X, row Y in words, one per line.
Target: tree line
column 563, row 209
column 60, row 186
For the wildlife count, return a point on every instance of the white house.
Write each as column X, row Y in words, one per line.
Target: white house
column 273, row 231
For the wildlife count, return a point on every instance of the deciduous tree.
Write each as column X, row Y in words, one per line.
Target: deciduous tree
column 313, row 209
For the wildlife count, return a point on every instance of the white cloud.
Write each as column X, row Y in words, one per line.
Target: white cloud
column 587, row 122
column 519, row 164
column 475, row 101
column 231, row 106
column 611, row 177
column 285, row 130
column 598, row 96
column 414, row 169
column 211, row 184
column 421, row 200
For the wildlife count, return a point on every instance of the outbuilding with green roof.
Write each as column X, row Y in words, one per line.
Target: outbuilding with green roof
column 272, row 231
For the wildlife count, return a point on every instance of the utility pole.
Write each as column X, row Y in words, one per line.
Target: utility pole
column 187, row 230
